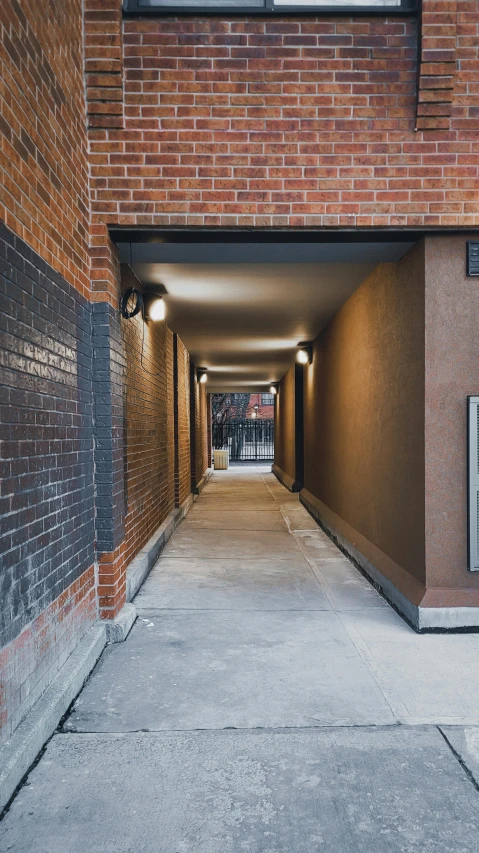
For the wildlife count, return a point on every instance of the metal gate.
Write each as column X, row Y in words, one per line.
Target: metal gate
column 247, row 440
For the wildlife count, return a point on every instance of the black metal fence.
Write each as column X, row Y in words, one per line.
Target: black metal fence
column 247, row 440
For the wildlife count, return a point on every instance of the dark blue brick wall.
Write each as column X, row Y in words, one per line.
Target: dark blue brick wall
column 109, row 426
column 46, row 436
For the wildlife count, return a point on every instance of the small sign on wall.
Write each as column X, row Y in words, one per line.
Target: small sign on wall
column 472, row 257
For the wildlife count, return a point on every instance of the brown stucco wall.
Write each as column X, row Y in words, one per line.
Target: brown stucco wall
column 364, row 417
column 452, row 373
column 284, row 425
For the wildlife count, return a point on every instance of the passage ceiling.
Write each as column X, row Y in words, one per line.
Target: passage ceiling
column 241, row 309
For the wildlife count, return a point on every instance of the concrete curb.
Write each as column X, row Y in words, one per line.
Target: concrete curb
column 285, row 479
column 448, row 618
column 117, row 629
column 200, row 486
column 18, row 754
column 141, row 566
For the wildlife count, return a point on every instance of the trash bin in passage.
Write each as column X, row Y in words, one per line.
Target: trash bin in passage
column 221, row 459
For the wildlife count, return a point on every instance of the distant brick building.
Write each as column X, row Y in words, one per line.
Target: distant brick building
column 234, row 406
column 261, row 406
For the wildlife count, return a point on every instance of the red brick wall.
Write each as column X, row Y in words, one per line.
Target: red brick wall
column 44, row 150
column 182, row 422
column 262, row 410
column 32, row 659
column 305, row 122
column 149, row 430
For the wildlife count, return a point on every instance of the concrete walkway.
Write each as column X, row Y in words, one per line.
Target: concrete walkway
column 266, row 700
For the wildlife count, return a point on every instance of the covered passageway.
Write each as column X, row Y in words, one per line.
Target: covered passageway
column 353, row 333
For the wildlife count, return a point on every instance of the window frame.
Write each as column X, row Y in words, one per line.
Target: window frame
column 269, row 402
column 407, row 8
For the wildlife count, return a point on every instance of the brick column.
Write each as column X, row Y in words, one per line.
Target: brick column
column 193, row 426
column 182, row 425
column 198, row 431
column 108, row 377
column 209, row 430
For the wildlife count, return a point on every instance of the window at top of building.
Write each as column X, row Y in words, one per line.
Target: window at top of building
column 267, row 400
column 270, row 6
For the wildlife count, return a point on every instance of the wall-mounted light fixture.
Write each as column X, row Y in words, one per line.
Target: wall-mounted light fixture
column 155, row 308
column 304, row 354
column 273, row 389
column 133, row 301
column 202, row 374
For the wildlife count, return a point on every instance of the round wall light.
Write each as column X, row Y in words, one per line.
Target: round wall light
column 273, row 389
column 202, row 375
column 304, row 354
column 155, row 308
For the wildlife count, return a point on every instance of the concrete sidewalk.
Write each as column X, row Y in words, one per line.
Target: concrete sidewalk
column 266, row 700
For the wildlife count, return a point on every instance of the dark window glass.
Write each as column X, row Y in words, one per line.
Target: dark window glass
column 269, row 6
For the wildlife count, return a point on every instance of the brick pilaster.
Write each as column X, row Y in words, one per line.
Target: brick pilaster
column 105, row 266
column 104, row 63
column 112, row 582
column 181, row 383
column 208, row 431
column 108, row 373
column 437, row 64
column 193, row 424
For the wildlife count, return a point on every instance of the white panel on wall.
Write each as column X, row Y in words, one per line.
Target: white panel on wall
column 473, row 483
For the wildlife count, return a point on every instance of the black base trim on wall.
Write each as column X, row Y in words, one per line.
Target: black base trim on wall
column 285, row 479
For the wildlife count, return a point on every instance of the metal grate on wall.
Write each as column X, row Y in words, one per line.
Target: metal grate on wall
column 473, row 483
